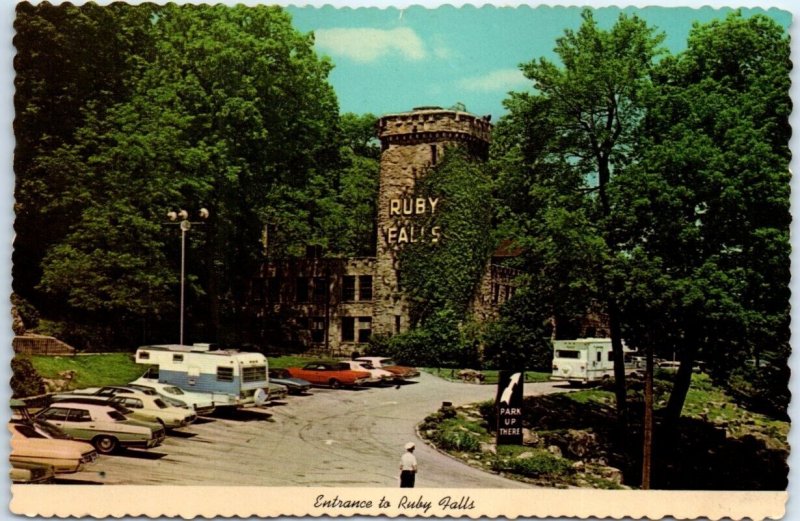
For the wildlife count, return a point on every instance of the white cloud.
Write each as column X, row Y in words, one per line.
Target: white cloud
column 369, row 45
column 501, row 80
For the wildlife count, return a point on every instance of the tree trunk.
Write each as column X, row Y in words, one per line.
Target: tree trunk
column 681, row 386
column 647, row 425
column 619, row 362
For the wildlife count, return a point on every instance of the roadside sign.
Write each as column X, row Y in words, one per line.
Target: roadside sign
column 508, row 406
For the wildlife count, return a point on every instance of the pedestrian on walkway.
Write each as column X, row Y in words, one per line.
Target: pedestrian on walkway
column 408, row 467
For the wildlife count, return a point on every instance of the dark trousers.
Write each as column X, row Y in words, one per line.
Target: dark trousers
column 407, row 479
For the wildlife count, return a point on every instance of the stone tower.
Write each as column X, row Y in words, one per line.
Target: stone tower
column 411, row 143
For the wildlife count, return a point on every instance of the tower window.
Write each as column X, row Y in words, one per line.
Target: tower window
column 434, row 154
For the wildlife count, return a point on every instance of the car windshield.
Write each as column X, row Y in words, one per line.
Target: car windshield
column 173, row 390
column 116, row 416
column 367, row 365
column 160, row 403
column 279, row 373
column 388, row 361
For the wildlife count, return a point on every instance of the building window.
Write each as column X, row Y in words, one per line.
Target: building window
column 320, row 289
column 348, row 329
column 495, row 293
column 224, row 374
column 348, row 288
column 365, row 287
column 317, row 330
column 397, row 323
column 301, row 290
column 364, row 329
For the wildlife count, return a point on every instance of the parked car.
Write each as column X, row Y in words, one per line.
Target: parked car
column 104, row 425
column 400, row 372
column 330, row 373
column 65, row 456
column 377, row 376
column 294, row 385
column 277, row 391
column 147, row 404
column 201, row 403
column 25, row 472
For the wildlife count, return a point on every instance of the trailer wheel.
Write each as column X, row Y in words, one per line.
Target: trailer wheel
column 335, row 384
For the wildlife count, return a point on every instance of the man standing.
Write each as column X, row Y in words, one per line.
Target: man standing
column 408, row 467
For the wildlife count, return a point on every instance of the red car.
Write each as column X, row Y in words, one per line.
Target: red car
column 333, row 374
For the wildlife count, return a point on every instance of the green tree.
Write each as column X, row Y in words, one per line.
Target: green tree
column 234, row 113
column 706, row 220
column 572, row 135
column 69, row 59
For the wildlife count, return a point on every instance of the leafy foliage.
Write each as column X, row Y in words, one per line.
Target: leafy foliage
column 25, row 381
column 443, row 275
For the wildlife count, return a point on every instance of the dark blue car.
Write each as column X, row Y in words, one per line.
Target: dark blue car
column 295, row 385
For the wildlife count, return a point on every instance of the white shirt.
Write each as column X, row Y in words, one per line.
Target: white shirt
column 408, row 461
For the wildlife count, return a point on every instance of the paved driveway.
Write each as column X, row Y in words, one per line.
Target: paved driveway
column 331, row 438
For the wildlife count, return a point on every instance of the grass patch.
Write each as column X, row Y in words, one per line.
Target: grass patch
column 491, row 376
column 91, row 370
column 282, row 362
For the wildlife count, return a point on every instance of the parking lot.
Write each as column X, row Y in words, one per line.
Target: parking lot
column 330, row 438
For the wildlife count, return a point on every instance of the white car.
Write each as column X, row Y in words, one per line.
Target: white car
column 102, row 425
column 377, row 376
column 202, row 403
column 146, row 405
column 66, row 456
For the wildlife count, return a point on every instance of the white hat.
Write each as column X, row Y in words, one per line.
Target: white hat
column 409, row 445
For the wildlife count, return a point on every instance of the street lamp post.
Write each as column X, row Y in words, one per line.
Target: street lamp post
column 185, row 226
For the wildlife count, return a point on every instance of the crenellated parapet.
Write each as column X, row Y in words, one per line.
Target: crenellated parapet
column 433, row 124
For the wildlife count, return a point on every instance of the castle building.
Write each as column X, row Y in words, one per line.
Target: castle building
column 330, row 306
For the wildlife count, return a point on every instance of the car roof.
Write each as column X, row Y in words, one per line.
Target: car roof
column 86, row 403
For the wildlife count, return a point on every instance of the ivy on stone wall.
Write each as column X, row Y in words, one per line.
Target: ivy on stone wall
column 443, row 275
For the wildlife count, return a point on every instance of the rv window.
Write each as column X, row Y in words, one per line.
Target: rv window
column 144, row 355
column 224, row 374
column 568, row 354
column 177, row 358
column 254, row 374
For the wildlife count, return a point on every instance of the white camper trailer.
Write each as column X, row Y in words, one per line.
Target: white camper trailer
column 583, row 360
column 234, row 378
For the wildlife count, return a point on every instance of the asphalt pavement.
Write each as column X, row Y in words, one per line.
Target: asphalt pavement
column 343, row 438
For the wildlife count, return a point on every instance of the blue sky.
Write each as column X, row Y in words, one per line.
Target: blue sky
column 391, row 60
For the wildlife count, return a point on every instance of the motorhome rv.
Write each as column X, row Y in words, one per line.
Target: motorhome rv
column 234, row 378
column 583, row 360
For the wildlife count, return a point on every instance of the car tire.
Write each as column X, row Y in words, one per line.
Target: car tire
column 335, row 384
column 105, row 444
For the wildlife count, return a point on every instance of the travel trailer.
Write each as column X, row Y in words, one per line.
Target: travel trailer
column 583, row 360
column 234, row 378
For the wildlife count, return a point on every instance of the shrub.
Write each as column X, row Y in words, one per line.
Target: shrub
column 540, row 464
column 449, row 439
column 25, row 381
